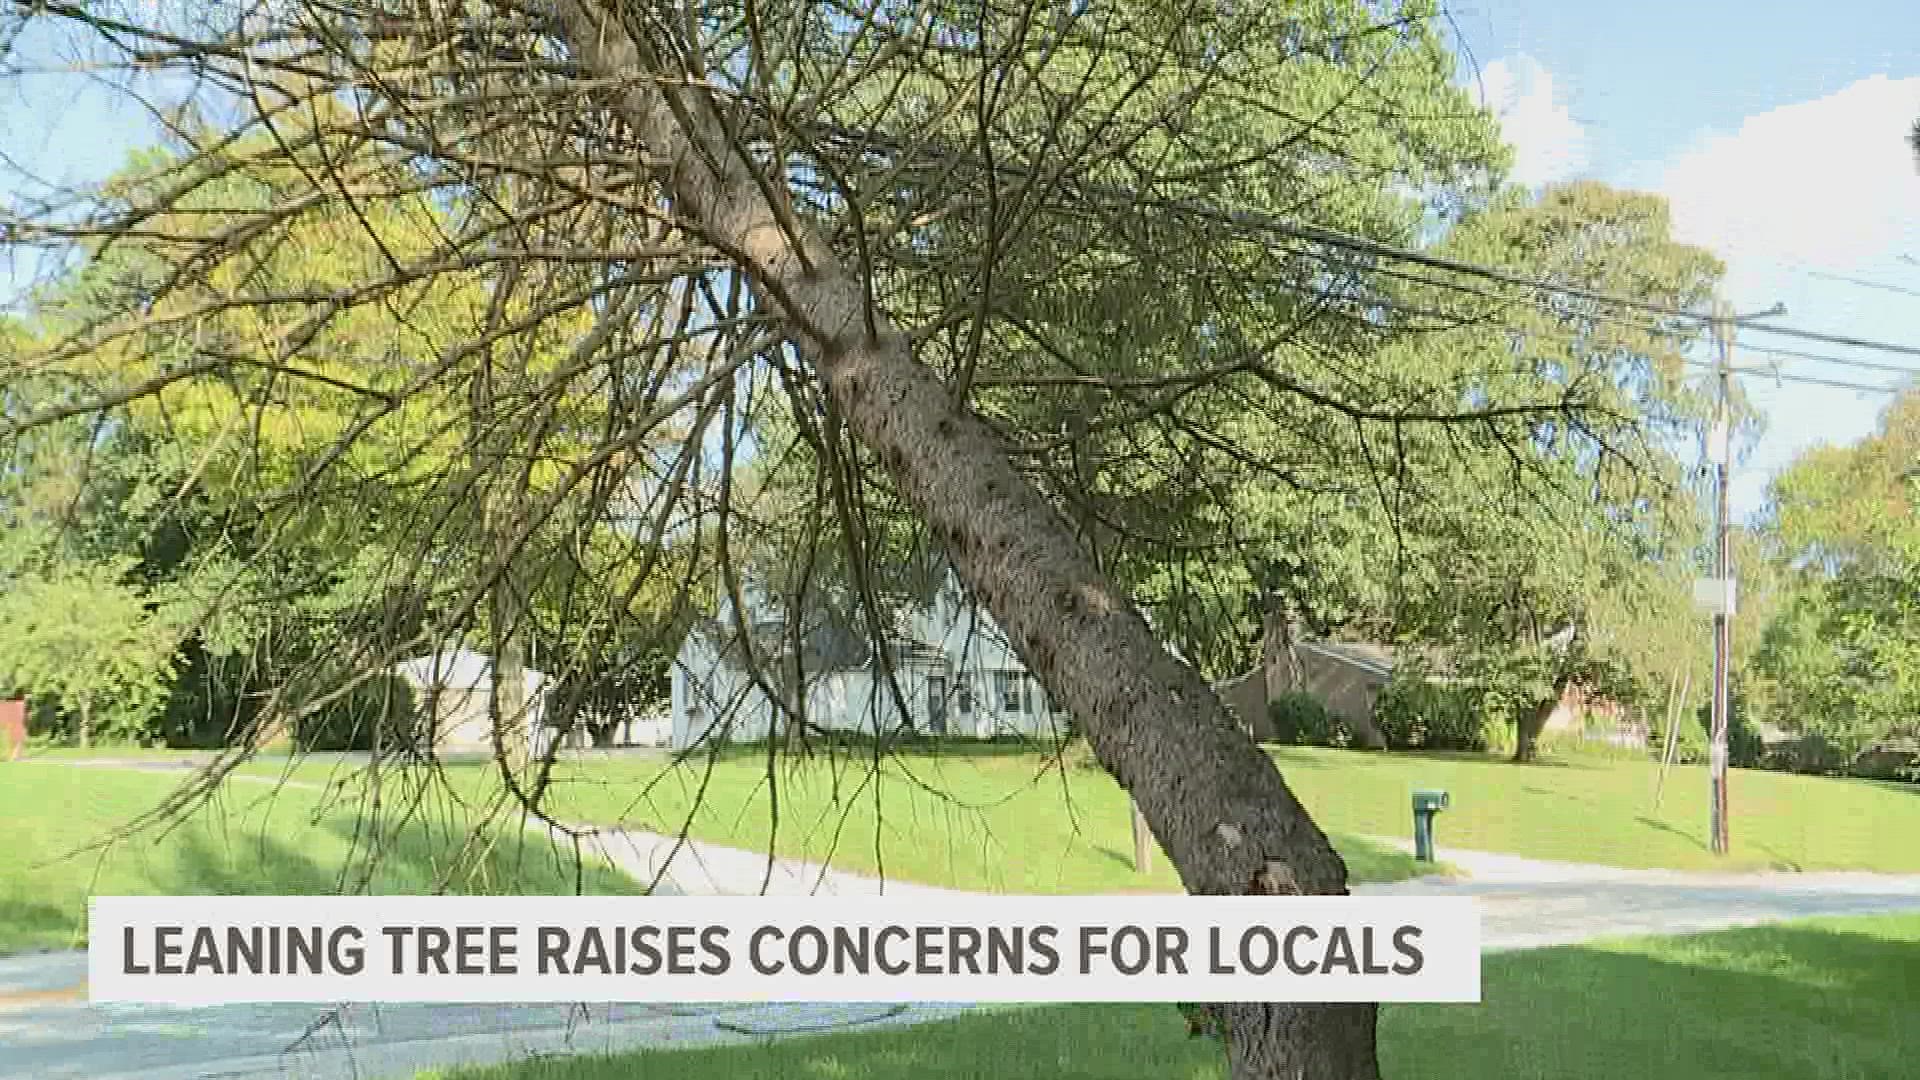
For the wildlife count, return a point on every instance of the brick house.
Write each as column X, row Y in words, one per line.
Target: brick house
column 1348, row 677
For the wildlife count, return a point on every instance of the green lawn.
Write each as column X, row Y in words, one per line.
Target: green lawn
column 1820, row 1000
column 1005, row 821
column 1599, row 811
column 985, row 820
column 992, row 818
column 255, row 840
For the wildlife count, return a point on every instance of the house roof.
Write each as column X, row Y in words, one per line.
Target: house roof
column 1380, row 660
column 1376, row 659
column 828, row 645
column 456, row 669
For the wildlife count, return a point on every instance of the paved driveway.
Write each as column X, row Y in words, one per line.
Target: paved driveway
column 1530, row 904
column 70, row 1040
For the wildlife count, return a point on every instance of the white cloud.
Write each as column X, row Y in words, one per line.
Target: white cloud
column 1828, row 183
column 1549, row 144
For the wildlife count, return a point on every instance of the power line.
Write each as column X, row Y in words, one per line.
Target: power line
column 1257, row 221
column 1862, row 282
column 1837, row 384
column 1841, row 339
column 1774, row 372
column 1809, row 380
column 1837, row 361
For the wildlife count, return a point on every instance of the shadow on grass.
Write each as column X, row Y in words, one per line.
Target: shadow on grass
column 1811, row 1001
column 1777, row 861
column 273, row 844
column 1120, row 857
column 424, row 855
column 30, row 926
column 1904, row 786
column 925, row 748
column 1803, row 1001
column 1551, row 761
column 1661, row 826
column 407, row 858
column 1368, row 861
column 1328, row 758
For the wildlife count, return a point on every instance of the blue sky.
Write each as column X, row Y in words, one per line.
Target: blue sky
column 1775, row 131
column 1776, row 136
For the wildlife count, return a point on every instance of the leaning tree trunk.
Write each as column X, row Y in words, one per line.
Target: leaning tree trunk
column 1215, row 803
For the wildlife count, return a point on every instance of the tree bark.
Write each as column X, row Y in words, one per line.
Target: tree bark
column 1278, row 663
column 1213, row 800
column 86, row 725
column 1526, row 742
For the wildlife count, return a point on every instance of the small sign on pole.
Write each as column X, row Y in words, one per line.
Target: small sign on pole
column 1719, row 443
column 1714, row 596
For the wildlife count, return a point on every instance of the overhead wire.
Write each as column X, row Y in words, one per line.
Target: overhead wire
column 1254, row 221
column 1838, row 361
column 1861, row 282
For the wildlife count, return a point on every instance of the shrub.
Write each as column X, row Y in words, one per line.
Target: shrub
column 1497, row 735
column 1414, row 713
column 384, row 703
column 208, row 705
column 1810, row 753
column 1745, row 748
column 1299, row 719
column 1399, row 715
column 1691, row 747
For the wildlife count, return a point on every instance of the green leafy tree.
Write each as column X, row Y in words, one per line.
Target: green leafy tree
column 1841, row 660
column 1546, row 557
column 85, row 640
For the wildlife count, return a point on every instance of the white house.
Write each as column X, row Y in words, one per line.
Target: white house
column 464, row 679
column 955, row 670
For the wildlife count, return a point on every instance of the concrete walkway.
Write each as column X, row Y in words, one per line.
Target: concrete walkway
column 1528, row 903
column 49, row 1031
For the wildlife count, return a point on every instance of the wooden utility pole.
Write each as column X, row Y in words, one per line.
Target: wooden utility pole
column 1721, row 450
column 1722, row 616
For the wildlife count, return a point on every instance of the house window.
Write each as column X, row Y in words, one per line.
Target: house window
column 1012, row 687
column 965, row 692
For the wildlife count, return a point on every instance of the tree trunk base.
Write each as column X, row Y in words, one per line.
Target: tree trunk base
column 1302, row 1042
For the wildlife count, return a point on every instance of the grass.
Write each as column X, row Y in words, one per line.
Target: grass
column 982, row 820
column 986, row 818
column 254, row 840
column 1819, row 1000
column 1001, row 822
column 41, row 751
column 1601, row 811
column 995, row 818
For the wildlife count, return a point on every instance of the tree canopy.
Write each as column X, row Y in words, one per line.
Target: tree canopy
column 1841, row 659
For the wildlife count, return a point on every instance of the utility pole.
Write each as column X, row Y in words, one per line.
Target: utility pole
column 1721, row 448
column 1722, row 620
